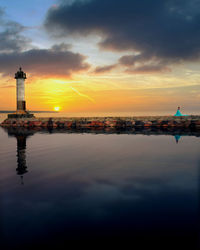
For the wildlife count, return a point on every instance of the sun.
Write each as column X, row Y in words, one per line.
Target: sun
column 56, row 108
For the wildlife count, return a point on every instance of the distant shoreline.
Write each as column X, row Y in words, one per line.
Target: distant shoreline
column 12, row 111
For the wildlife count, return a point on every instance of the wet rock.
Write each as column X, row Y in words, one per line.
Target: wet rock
column 147, row 124
column 139, row 124
column 37, row 123
column 171, row 124
column 45, row 124
column 120, row 124
column 129, row 124
column 133, row 123
column 197, row 123
column 164, row 123
column 68, row 124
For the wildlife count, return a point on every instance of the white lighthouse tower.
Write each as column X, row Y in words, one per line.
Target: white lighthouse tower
column 20, row 77
column 21, row 112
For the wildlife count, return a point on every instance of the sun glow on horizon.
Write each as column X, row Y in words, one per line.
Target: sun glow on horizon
column 57, row 108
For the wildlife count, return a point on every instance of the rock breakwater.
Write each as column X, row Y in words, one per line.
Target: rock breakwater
column 104, row 122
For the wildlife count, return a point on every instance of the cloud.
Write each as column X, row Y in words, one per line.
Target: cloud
column 104, row 69
column 16, row 50
column 56, row 61
column 166, row 32
column 133, row 59
column 10, row 35
column 141, row 64
column 146, row 69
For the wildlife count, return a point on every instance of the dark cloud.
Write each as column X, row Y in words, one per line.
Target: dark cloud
column 141, row 64
column 133, row 59
column 146, row 69
column 104, row 69
column 61, row 47
column 55, row 61
column 137, row 64
column 165, row 31
column 11, row 38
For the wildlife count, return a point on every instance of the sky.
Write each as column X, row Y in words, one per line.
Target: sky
column 102, row 56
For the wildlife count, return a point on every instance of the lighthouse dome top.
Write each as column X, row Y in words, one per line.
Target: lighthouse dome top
column 20, row 74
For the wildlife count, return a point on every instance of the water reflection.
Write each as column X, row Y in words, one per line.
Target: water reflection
column 176, row 132
column 177, row 138
column 21, row 136
column 21, row 156
column 122, row 187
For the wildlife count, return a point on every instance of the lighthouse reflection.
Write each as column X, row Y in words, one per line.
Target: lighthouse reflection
column 21, row 136
column 21, row 156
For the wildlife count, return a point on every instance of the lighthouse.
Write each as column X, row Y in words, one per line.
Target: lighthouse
column 20, row 77
column 21, row 112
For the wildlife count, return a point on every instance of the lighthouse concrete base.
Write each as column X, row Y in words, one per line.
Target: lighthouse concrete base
column 21, row 114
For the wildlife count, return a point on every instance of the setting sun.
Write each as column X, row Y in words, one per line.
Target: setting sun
column 56, row 108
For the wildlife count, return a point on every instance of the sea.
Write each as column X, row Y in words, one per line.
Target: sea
column 62, row 189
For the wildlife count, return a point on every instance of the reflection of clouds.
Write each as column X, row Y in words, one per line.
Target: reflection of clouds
column 133, row 188
column 104, row 181
column 75, row 206
column 114, row 182
column 91, row 194
column 66, row 190
column 140, row 186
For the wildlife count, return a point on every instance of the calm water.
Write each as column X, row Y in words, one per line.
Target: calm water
column 109, row 188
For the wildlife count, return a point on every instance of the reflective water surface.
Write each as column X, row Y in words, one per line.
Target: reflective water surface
column 61, row 187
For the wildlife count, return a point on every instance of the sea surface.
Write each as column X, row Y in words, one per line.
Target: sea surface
column 98, row 189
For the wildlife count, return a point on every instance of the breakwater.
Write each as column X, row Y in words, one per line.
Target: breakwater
column 183, row 122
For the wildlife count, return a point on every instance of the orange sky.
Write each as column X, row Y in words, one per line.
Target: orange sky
column 104, row 63
column 106, row 93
